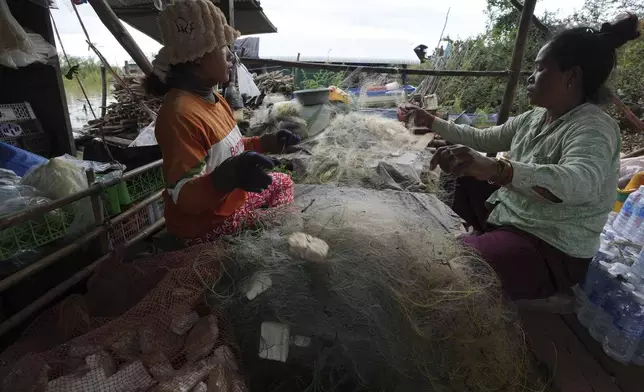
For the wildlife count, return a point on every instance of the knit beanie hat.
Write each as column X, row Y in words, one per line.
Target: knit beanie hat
column 192, row 28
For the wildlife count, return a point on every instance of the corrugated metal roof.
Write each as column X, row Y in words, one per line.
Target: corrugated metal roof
column 142, row 15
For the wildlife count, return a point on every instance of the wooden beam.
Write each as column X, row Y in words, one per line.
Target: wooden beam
column 372, row 69
column 632, row 119
column 517, row 58
column 535, row 21
column 114, row 25
column 228, row 7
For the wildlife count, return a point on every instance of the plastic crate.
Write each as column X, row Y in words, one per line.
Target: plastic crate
column 145, row 184
column 126, row 230
column 132, row 190
column 20, row 115
column 12, row 112
column 38, row 144
column 35, row 233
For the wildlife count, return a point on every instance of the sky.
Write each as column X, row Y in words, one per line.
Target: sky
column 376, row 29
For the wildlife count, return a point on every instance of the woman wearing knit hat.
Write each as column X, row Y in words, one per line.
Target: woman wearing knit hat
column 214, row 186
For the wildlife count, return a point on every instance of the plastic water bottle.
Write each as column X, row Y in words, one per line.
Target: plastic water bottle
column 625, row 335
column 609, row 222
column 638, row 266
column 638, row 357
column 595, row 288
column 635, row 231
column 623, row 219
column 602, row 299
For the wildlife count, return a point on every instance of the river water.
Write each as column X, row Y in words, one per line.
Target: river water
column 79, row 110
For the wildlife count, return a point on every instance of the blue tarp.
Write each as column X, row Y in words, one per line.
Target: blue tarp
column 18, row 160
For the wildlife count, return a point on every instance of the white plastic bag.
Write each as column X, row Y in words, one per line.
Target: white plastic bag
column 12, row 35
column 146, row 137
column 246, row 83
column 17, row 47
column 60, row 178
column 40, row 52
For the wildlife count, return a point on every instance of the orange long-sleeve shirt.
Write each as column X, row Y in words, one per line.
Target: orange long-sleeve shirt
column 195, row 137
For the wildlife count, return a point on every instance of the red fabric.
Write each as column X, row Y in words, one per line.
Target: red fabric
column 527, row 266
column 279, row 193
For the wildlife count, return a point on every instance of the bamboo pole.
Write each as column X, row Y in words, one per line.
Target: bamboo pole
column 373, row 69
column 535, row 20
column 635, row 122
column 114, row 25
column 517, row 58
column 52, row 258
column 35, row 212
column 63, row 287
column 103, row 91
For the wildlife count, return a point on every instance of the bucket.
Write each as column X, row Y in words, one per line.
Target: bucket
column 622, row 194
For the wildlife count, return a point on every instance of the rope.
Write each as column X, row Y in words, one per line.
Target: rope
column 151, row 113
column 62, row 47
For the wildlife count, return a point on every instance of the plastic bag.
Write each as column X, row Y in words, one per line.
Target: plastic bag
column 22, row 203
column 97, row 167
column 8, row 177
column 629, row 167
column 60, row 178
column 146, row 137
column 246, row 83
column 8, row 192
column 40, row 52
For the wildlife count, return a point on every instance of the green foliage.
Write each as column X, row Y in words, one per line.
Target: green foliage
column 89, row 73
column 492, row 50
column 321, row 79
column 628, row 78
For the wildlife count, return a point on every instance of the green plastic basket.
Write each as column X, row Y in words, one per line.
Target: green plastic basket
column 33, row 234
column 132, row 190
column 145, row 184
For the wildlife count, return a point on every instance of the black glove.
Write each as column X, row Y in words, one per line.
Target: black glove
column 245, row 171
column 278, row 142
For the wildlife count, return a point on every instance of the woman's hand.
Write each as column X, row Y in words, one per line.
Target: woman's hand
column 463, row 161
column 409, row 112
column 278, row 142
column 245, row 171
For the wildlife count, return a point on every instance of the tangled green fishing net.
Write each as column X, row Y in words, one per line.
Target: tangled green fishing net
column 392, row 308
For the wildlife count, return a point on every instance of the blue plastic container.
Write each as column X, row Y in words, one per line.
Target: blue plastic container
column 18, row 160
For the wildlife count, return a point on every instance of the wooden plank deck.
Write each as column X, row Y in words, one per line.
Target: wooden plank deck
column 575, row 360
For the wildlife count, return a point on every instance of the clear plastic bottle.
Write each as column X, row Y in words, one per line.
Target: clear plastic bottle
column 593, row 289
column 624, row 336
column 638, row 357
column 611, row 218
column 635, row 232
column 602, row 299
column 638, row 266
column 621, row 222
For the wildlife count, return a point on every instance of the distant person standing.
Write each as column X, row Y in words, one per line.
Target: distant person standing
column 538, row 216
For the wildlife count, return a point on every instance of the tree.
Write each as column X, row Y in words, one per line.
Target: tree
column 493, row 49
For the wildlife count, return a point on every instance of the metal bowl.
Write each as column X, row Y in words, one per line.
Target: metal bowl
column 317, row 96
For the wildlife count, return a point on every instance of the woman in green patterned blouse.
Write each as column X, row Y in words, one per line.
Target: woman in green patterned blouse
column 537, row 216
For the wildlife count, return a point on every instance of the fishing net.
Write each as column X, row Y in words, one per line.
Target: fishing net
column 397, row 305
column 367, row 150
column 140, row 326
